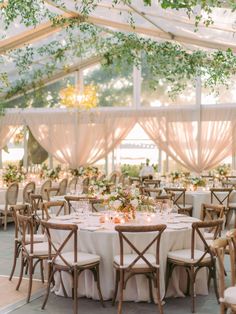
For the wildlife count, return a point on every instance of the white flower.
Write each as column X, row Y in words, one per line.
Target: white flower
column 117, row 204
column 134, row 203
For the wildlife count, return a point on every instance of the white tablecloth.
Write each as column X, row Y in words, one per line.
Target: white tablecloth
column 197, row 198
column 105, row 244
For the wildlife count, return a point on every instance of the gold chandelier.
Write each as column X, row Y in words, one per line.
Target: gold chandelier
column 72, row 97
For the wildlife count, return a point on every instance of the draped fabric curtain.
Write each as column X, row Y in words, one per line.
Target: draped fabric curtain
column 197, row 139
column 8, row 126
column 79, row 138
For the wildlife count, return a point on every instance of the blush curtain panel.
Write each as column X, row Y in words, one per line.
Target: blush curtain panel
column 197, row 139
column 79, row 138
column 9, row 123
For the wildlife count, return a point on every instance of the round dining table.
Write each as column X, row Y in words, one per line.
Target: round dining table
column 102, row 239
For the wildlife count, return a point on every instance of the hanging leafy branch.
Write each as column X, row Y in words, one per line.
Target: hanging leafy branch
column 166, row 61
column 33, row 12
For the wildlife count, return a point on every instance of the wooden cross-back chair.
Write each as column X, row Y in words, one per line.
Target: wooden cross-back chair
column 211, row 212
column 32, row 253
column 221, row 196
column 194, row 259
column 73, row 262
column 227, row 294
column 85, row 185
column 26, row 211
column 72, row 199
column 179, row 199
column 139, row 262
column 27, row 191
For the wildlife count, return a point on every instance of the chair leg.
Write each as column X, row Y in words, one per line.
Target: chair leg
column 30, row 279
column 5, row 222
column 192, row 288
column 98, row 286
column 122, row 275
column 21, row 272
column 116, row 287
column 215, row 283
column 75, row 294
column 48, row 289
column 158, row 292
column 41, row 271
column 16, row 254
column 150, row 289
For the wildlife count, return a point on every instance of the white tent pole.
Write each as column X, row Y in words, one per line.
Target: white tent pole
column 198, row 105
column 136, row 87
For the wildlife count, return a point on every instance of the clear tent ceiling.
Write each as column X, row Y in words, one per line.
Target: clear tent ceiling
column 151, row 21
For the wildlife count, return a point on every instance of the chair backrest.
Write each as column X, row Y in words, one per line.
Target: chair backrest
column 177, row 196
column 62, row 186
column 101, row 177
column 72, row 184
column 122, row 179
column 12, row 194
column 72, row 199
column 231, row 238
column 221, row 195
column 36, row 201
column 210, row 212
column 152, row 191
column 85, row 185
column 44, row 189
column 219, row 247
column 28, row 189
column 26, row 227
column 124, row 231
column 24, row 210
column 57, row 248
column 198, row 230
column 152, row 183
column 114, row 177
column 58, row 208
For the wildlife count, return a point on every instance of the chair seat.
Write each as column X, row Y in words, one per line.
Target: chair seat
column 129, row 258
column 232, row 206
column 37, row 238
column 230, row 295
column 186, row 206
column 39, row 249
column 208, row 235
column 82, row 259
column 185, row 256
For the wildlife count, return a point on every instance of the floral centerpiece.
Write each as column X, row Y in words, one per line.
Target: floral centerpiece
column 84, row 171
column 197, row 182
column 125, row 201
column 12, row 173
column 100, row 186
column 175, row 175
column 222, row 170
column 50, row 173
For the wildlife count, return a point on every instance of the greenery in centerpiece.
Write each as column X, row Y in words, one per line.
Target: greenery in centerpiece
column 101, row 186
column 89, row 171
column 198, row 182
column 52, row 174
column 12, row 173
column 222, row 170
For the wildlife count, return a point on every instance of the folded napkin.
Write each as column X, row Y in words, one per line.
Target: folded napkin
column 64, row 217
column 91, row 228
column 177, row 226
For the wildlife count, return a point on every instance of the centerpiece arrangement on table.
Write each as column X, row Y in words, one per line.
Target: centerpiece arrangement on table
column 127, row 201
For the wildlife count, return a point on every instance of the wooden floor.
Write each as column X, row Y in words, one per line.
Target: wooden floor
column 11, row 299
